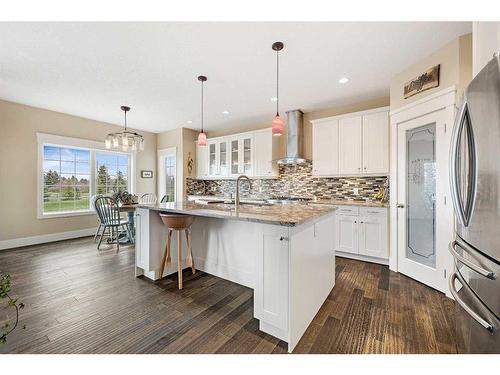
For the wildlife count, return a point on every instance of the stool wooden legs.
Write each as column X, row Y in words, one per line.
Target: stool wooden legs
column 179, row 258
column 189, row 257
column 166, row 257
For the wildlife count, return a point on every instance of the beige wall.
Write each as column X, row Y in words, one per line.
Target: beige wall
column 169, row 139
column 308, row 116
column 18, row 167
column 456, row 69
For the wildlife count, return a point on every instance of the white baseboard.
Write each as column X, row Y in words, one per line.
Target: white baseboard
column 362, row 257
column 44, row 238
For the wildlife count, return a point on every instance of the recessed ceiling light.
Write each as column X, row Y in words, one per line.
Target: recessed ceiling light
column 189, row 121
column 344, row 80
column 225, row 112
column 274, row 99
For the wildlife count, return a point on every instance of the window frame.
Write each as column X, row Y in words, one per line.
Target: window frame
column 129, row 167
column 83, row 144
column 161, row 188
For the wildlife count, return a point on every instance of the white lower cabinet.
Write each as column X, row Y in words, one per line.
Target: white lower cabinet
column 362, row 231
column 347, row 233
column 373, row 236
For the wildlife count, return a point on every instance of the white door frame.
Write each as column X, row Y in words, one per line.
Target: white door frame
column 444, row 100
column 161, row 171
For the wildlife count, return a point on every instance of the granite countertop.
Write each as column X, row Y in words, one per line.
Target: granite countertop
column 333, row 202
column 346, row 202
column 286, row 215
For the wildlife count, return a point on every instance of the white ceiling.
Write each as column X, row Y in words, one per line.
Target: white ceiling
column 90, row 69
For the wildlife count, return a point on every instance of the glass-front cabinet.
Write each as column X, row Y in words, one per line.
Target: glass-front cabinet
column 218, row 157
column 212, row 158
column 241, row 155
column 234, row 155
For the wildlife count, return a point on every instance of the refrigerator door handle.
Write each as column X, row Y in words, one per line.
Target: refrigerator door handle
column 454, row 166
column 472, row 175
column 487, row 325
column 486, row 273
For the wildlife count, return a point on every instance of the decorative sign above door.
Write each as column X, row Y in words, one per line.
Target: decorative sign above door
column 426, row 81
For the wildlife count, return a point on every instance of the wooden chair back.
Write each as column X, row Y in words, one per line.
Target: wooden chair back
column 148, row 198
column 107, row 210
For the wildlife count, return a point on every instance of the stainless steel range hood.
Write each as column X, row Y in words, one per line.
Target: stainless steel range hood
column 294, row 138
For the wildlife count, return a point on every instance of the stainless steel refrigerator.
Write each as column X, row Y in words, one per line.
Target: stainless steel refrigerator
column 475, row 185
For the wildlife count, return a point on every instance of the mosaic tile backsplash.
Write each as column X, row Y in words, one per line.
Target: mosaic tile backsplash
column 295, row 181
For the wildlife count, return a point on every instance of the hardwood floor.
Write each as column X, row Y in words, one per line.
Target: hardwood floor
column 81, row 301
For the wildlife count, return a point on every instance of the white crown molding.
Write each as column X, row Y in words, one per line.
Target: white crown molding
column 44, row 238
column 433, row 102
column 350, row 114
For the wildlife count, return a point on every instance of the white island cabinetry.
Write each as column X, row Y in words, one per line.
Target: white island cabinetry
column 291, row 269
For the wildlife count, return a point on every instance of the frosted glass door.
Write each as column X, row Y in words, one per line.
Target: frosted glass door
column 421, row 195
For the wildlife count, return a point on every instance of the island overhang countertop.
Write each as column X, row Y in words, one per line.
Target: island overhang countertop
column 286, row 215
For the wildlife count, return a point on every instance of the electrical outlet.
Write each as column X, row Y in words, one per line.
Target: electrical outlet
column 355, row 191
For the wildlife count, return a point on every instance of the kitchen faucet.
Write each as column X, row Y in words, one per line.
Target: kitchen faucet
column 237, row 199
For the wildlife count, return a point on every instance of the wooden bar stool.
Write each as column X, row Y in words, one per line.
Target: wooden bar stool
column 178, row 223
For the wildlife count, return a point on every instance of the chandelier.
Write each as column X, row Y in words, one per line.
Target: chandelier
column 125, row 139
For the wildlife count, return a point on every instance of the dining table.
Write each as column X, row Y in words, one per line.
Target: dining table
column 130, row 210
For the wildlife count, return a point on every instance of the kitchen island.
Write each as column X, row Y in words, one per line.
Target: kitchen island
column 285, row 253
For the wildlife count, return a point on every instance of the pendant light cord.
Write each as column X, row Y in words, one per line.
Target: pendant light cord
column 202, row 106
column 277, row 82
column 125, row 120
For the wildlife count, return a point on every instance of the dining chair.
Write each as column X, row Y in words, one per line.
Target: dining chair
column 109, row 214
column 92, row 205
column 148, row 198
column 164, row 199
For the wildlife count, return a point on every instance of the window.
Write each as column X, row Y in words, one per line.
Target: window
column 66, row 177
column 167, row 170
column 72, row 170
column 111, row 173
column 170, row 177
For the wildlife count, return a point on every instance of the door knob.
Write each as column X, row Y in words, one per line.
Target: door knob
column 400, row 205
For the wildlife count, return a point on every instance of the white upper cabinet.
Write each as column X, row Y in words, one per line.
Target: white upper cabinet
column 265, row 151
column 222, row 157
column 250, row 153
column 241, row 155
column 325, row 150
column 217, row 152
column 485, row 42
column 356, row 144
column 376, row 143
column 201, row 162
column 349, row 145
